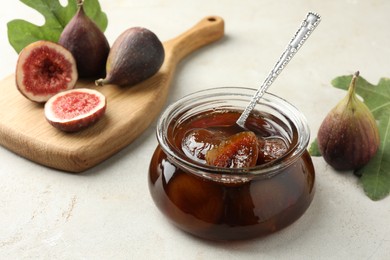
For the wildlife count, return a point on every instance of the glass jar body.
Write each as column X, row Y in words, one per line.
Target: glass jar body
column 219, row 211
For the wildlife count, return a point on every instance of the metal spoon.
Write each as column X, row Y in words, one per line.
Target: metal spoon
column 307, row 27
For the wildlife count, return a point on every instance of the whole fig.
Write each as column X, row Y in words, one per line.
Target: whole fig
column 348, row 137
column 136, row 55
column 88, row 44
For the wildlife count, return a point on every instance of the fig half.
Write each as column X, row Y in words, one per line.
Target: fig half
column 44, row 69
column 75, row 109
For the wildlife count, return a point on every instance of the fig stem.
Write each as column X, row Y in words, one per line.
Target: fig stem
column 352, row 86
column 351, row 97
column 99, row 82
column 80, row 3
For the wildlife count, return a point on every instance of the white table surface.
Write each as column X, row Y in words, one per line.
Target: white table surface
column 107, row 212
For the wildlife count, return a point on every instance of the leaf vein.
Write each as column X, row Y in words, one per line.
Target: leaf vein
column 380, row 107
column 381, row 156
column 373, row 91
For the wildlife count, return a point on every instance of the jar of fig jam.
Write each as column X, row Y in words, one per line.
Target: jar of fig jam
column 231, row 201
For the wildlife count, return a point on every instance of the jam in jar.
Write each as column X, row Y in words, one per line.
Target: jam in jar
column 218, row 181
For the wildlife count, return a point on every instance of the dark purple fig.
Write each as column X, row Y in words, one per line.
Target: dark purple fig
column 83, row 38
column 348, row 137
column 136, row 55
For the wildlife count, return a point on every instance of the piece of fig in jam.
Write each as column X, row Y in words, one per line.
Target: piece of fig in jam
column 44, row 69
column 197, row 197
column 271, row 149
column 238, row 151
column 197, row 142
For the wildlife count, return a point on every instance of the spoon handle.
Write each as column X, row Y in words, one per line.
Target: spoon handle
column 307, row 27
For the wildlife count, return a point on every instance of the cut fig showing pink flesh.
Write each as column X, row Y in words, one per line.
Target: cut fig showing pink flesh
column 44, row 69
column 75, row 109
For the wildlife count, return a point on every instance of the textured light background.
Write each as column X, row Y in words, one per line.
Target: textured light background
column 107, row 212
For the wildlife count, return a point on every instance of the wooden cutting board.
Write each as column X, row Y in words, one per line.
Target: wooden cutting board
column 130, row 110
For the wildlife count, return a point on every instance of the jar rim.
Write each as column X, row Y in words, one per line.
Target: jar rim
column 265, row 170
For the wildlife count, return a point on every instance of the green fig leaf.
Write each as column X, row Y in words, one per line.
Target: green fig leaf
column 314, row 150
column 21, row 33
column 375, row 176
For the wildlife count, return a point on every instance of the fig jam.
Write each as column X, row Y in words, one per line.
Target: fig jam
column 221, row 203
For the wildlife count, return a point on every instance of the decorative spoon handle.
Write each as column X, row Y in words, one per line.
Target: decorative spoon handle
column 306, row 28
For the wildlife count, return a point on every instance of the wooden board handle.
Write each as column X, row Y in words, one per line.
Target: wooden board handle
column 208, row 30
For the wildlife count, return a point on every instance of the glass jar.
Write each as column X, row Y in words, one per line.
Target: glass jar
column 228, row 203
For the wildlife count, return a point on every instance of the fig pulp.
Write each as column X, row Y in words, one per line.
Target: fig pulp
column 83, row 38
column 75, row 109
column 44, row 69
column 349, row 137
column 238, row 151
column 136, row 55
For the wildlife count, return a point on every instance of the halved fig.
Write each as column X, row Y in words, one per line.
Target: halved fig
column 238, row 151
column 44, row 69
column 75, row 109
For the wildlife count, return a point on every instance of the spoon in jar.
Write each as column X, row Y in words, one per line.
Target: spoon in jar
column 307, row 27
